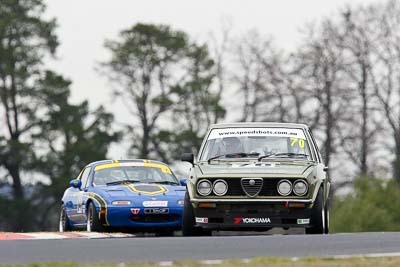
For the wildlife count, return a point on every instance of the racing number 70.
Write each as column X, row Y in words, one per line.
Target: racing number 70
column 295, row 140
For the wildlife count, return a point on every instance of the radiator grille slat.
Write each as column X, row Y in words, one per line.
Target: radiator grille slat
column 269, row 187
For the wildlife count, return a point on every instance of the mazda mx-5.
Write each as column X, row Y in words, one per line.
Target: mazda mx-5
column 133, row 195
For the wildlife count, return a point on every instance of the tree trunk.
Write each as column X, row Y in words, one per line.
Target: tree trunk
column 364, row 129
column 18, row 191
column 396, row 163
column 329, row 124
column 144, row 149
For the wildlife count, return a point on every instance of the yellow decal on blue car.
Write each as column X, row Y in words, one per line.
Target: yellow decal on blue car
column 147, row 189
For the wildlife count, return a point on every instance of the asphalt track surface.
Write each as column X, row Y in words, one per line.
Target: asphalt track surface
column 141, row 249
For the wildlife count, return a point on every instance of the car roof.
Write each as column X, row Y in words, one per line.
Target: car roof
column 259, row 124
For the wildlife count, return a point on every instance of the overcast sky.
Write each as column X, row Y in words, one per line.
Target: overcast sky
column 84, row 25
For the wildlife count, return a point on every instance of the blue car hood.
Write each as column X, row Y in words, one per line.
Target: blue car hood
column 143, row 190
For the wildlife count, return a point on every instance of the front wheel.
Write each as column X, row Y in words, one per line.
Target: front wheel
column 188, row 221
column 319, row 216
column 93, row 223
column 327, row 222
column 64, row 224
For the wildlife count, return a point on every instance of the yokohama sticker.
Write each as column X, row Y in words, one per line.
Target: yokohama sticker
column 303, row 221
column 239, row 220
column 201, row 220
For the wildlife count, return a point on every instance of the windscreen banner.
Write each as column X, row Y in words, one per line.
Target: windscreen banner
column 239, row 132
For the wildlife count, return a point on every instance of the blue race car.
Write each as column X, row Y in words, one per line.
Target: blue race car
column 134, row 195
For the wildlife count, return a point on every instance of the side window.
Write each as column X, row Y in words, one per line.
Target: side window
column 84, row 177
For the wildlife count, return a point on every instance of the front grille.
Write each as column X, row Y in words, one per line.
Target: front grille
column 155, row 218
column 251, row 186
column 269, row 187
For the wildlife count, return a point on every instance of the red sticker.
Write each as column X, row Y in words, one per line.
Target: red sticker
column 135, row 211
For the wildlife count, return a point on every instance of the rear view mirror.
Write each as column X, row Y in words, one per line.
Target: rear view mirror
column 76, row 183
column 189, row 157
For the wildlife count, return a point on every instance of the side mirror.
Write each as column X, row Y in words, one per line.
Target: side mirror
column 76, row 183
column 326, row 168
column 183, row 181
column 189, row 157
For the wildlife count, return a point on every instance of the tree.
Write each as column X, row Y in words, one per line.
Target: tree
column 326, row 82
column 385, row 75
column 360, row 128
column 268, row 80
column 65, row 139
column 257, row 67
column 220, row 45
column 160, row 74
column 45, row 139
column 198, row 105
column 142, row 65
column 72, row 136
column 25, row 38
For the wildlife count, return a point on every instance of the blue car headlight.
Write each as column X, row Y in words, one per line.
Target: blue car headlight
column 181, row 202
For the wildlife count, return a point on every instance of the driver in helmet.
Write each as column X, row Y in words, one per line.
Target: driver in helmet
column 232, row 145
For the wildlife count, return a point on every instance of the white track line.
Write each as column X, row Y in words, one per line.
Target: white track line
column 368, row 255
column 166, row 263
column 57, row 235
column 45, row 236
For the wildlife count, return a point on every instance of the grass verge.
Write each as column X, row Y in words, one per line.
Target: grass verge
column 256, row 262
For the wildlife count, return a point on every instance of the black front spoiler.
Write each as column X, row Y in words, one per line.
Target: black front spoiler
column 218, row 219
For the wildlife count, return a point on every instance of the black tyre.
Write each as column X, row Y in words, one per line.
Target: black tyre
column 327, row 219
column 64, row 224
column 319, row 216
column 93, row 223
column 188, row 221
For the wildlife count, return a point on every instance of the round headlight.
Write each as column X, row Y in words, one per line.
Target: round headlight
column 204, row 187
column 220, row 187
column 284, row 187
column 300, row 187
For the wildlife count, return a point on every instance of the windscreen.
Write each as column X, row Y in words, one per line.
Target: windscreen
column 255, row 143
column 134, row 174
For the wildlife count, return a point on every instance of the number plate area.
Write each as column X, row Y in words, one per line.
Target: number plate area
column 156, row 210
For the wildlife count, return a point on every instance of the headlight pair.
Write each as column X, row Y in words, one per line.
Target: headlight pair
column 205, row 187
column 299, row 187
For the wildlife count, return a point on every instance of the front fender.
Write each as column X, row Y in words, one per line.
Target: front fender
column 190, row 187
column 101, row 206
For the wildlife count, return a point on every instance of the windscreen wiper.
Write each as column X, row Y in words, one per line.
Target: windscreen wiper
column 263, row 157
column 123, row 182
column 289, row 154
column 165, row 182
column 233, row 155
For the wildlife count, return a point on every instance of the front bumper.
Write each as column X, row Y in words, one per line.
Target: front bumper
column 252, row 216
column 249, row 200
column 124, row 217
